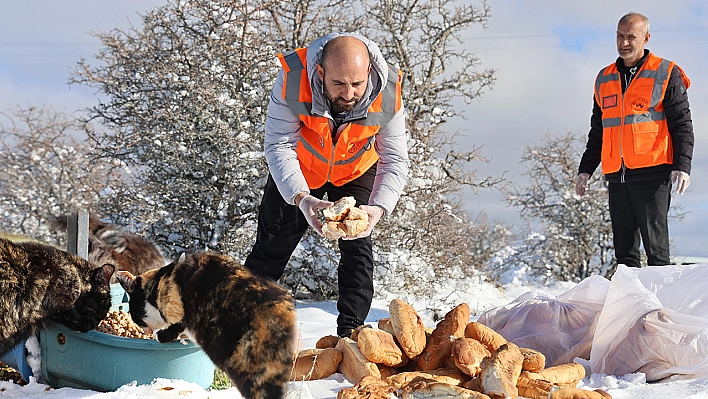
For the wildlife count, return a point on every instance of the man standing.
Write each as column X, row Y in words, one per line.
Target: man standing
column 336, row 126
column 641, row 131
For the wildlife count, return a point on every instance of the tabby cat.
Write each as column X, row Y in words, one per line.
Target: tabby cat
column 37, row 281
column 112, row 244
column 244, row 323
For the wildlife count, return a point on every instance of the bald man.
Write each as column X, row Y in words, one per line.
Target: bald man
column 335, row 127
column 641, row 131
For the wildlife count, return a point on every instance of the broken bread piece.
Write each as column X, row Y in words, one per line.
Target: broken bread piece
column 356, row 221
column 340, row 209
column 334, row 230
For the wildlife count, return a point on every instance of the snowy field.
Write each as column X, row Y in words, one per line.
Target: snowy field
column 319, row 319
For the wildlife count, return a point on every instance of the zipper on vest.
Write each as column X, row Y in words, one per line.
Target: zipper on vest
column 331, row 163
column 624, row 169
column 333, row 145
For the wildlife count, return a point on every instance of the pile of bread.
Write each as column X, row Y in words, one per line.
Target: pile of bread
column 344, row 219
column 457, row 359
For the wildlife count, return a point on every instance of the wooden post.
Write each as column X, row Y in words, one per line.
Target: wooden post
column 77, row 233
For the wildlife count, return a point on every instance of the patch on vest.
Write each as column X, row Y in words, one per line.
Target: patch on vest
column 356, row 146
column 640, row 104
column 609, row 101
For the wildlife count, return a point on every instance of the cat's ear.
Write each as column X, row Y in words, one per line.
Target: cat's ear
column 182, row 257
column 102, row 275
column 126, row 280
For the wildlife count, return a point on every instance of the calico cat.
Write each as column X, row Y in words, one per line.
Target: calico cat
column 244, row 323
column 39, row 281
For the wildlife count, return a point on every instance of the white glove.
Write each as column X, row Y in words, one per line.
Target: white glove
column 309, row 206
column 581, row 184
column 375, row 213
column 680, row 180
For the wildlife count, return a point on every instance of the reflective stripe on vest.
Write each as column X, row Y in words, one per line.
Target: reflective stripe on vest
column 634, row 125
column 353, row 153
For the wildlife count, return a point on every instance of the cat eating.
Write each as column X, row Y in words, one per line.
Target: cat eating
column 38, row 281
column 244, row 323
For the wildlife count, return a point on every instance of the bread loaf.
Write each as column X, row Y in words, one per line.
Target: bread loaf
column 385, row 324
column 439, row 346
column 501, row 371
column 474, row 384
column 577, row 393
column 314, row 364
column 328, row 341
column 533, row 389
column 340, row 209
column 355, row 334
column 450, row 377
column 408, row 328
column 533, row 360
column 369, row 388
column 378, row 346
column 490, row 338
column 430, row 389
column 386, row 371
column 354, row 366
column 568, row 374
column 468, row 354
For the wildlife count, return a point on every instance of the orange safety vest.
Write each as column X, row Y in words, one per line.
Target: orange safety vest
column 634, row 124
column 353, row 153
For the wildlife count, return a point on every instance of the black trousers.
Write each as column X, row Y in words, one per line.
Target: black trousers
column 280, row 228
column 640, row 209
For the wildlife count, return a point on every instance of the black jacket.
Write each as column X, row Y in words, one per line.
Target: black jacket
column 678, row 119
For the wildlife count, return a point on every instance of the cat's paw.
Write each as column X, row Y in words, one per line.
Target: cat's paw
column 161, row 335
column 155, row 334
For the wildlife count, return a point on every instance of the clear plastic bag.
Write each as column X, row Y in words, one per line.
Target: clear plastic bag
column 560, row 327
column 655, row 321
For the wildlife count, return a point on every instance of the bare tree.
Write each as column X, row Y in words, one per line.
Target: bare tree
column 46, row 173
column 187, row 96
column 184, row 105
column 422, row 38
column 576, row 232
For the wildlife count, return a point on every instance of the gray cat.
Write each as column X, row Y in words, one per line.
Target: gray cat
column 39, row 281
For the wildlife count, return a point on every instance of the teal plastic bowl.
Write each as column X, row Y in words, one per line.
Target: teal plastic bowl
column 17, row 359
column 104, row 362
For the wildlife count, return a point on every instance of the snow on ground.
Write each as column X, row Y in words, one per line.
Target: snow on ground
column 317, row 319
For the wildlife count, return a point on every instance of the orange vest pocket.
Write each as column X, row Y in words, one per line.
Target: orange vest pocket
column 645, row 137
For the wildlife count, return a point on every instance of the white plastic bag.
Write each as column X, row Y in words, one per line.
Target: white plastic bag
column 559, row 327
column 655, row 321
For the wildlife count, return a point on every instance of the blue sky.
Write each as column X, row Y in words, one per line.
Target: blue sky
column 546, row 53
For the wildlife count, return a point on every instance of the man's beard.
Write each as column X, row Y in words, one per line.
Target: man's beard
column 338, row 104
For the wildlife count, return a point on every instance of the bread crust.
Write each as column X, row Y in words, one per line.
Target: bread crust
column 314, row 364
column 568, row 374
column 468, row 354
column 354, row 366
column 430, row 389
column 379, row 346
column 439, row 346
column 408, row 328
column 501, row 371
